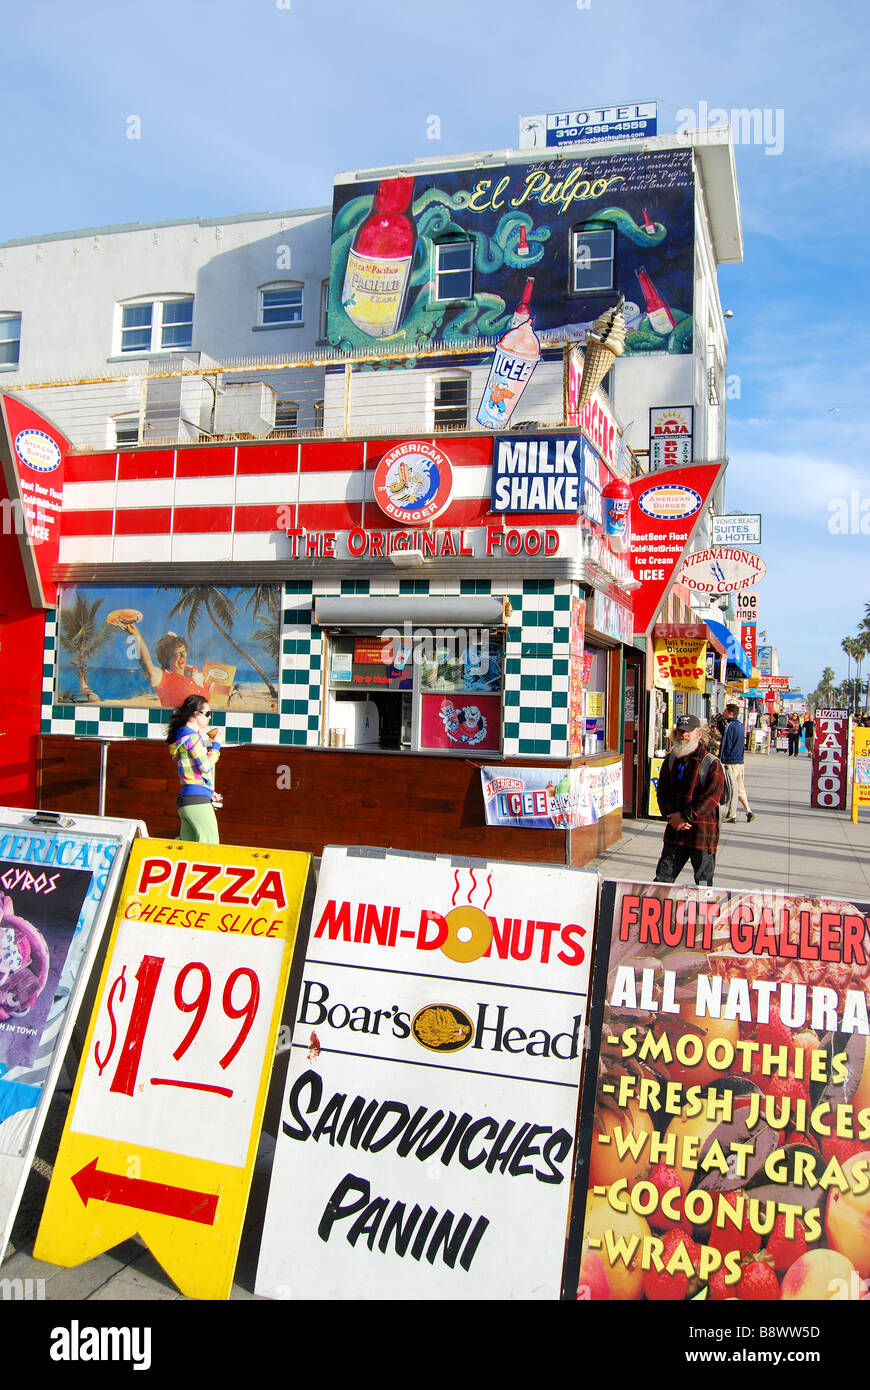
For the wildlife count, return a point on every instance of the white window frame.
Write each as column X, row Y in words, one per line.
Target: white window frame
column 157, row 305
column 578, row 236
column 441, row 278
column 295, row 313
column 127, row 421
column 282, row 431
column 11, row 316
column 435, row 382
column 324, row 312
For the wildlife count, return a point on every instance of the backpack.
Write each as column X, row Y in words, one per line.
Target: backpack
column 706, row 767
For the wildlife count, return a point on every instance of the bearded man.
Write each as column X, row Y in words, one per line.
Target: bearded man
column 689, row 790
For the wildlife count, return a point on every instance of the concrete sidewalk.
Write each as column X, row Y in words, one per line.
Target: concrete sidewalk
column 790, row 847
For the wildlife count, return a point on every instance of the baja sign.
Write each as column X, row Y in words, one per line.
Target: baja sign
column 721, row 571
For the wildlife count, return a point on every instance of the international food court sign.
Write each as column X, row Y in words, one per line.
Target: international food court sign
column 427, row 1126
column 164, row 1121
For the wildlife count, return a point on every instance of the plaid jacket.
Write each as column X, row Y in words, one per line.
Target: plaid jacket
column 680, row 789
column 195, row 759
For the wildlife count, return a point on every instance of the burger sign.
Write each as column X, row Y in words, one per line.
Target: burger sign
column 721, row 570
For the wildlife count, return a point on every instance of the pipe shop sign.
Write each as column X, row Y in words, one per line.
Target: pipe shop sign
column 721, row 570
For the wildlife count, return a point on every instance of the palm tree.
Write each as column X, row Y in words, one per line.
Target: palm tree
column 81, row 636
column 265, row 603
column 198, row 598
column 846, row 646
column 860, row 647
column 826, row 686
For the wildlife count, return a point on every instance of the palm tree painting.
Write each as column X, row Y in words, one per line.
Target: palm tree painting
column 197, row 600
column 81, row 634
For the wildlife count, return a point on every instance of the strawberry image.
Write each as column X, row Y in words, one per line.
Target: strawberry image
column 774, row 1031
column 670, row 1183
column 842, row 1149
column 782, row 1250
column 758, row 1282
column 789, row 1086
column 660, row 1285
column 718, row 1290
column 730, row 1237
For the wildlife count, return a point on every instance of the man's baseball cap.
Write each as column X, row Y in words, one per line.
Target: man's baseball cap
column 688, row 721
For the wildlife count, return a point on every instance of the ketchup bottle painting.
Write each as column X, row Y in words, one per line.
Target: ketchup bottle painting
column 379, row 261
column 660, row 317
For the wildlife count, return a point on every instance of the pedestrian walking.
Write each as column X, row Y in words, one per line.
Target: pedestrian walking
column 732, row 755
column 690, row 786
column 794, row 736
column 196, row 749
column 809, row 733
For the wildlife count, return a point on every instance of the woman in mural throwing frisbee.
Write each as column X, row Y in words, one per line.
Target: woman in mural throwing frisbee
column 196, row 749
column 170, row 675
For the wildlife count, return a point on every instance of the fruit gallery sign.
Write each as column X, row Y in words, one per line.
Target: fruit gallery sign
column 427, row 1126
column 726, row 1150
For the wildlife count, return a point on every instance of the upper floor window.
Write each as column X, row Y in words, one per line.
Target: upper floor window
column 157, row 325
column 286, row 418
column 125, row 429
column 280, row 304
column 591, row 259
column 10, row 339
column 324, row 311
column 454, row 262
column 450, row 402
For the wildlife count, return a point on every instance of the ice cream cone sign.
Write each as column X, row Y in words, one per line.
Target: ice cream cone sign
column 605, row 341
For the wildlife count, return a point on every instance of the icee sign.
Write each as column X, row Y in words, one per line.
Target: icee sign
column 429, row 1115
column 546, row 473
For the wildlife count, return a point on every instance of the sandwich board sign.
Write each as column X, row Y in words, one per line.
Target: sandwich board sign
column 428, row 1120
column 59, row 880
column 164, row 1121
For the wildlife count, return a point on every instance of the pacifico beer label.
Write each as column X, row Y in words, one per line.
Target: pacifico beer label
column 374, row 292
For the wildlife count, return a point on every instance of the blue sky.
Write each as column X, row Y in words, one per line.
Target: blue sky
column 253, row 105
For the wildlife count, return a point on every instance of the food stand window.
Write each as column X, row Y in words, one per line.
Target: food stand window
column 595, row 702
column 424, row 690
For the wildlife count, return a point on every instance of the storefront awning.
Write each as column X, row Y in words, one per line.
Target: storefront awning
column 459, row 610
column 736, row 655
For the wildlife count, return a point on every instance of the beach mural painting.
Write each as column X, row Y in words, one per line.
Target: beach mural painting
column 151, row 647
column 448, row 257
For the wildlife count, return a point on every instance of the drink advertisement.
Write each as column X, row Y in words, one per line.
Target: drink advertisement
column 427, row 1126
column 506, row 224
column 728, row 1134
column 666, row 511
column 164, row 1121
column 537, row 798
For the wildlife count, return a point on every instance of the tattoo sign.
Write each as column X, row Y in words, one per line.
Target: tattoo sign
column 165, row 1117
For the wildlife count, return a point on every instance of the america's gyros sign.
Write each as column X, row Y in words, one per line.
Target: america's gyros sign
column 721, row 571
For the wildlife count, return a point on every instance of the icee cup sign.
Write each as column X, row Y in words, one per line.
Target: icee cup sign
column 728, row 1142
column 428, row 1121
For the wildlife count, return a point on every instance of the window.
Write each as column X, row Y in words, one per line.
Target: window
column 157, row 325
column 318, row 415
column 453, row 269
column 438, row 690
column 10, row 339
column 450, row 403
column 324, row 312
column 286, row 419
column 126, row 430
column 591, row 259
column 281, row 304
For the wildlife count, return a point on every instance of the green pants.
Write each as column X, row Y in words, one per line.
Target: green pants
column 199, row 822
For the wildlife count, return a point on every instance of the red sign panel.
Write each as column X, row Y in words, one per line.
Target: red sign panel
column 665, row 512
column 830, row 756
column 33, row 454
column 747, row 640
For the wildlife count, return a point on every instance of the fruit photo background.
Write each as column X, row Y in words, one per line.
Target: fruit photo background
column 754, row 1185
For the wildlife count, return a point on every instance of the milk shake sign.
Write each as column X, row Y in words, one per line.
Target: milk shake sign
column 547, row 474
